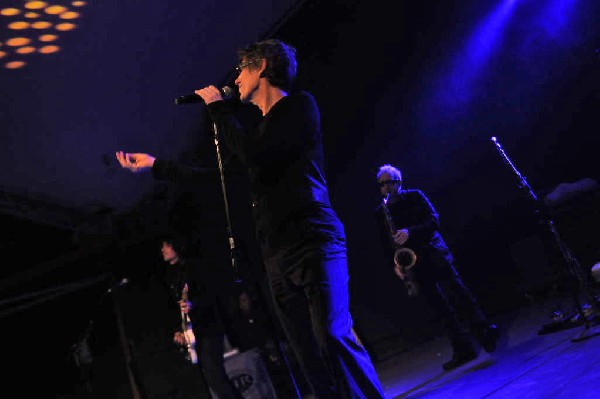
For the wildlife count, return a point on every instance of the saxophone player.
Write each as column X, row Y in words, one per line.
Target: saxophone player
column 415, row 225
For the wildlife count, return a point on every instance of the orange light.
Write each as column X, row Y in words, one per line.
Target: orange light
column 18, row 25
column 10, row 11
column 18, row 41
column 69, row 15
column 35, row 5
column 48, row 38
column 65, row 26
column 41, row 25
column 55, row 10
column 26, row 50
column 49, row 49
column 43, row 17
column 14, row 64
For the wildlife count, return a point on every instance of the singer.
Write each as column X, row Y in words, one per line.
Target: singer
column 302, row 240
column 418, row 228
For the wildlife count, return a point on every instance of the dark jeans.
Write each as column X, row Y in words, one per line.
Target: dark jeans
column 456, row 306
column 310, row 295
column 212, row 366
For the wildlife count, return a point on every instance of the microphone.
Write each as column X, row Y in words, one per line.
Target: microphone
column 226, row 92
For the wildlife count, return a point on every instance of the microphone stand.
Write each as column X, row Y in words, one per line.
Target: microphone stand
column 234, row 259
column 231, row 239
column 573, row 267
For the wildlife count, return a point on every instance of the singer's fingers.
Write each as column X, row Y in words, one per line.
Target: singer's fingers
column 209, row 94
column 121, row 158
column 131, row 159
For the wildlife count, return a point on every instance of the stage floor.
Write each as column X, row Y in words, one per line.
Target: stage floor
column 525, row 364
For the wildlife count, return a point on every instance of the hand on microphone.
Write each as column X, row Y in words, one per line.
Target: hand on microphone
column 207, row 95
column 210, row 94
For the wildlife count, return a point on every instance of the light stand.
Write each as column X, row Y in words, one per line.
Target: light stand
column 573, row 267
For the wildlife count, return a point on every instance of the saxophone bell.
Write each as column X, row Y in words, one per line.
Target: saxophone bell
column 404, row 257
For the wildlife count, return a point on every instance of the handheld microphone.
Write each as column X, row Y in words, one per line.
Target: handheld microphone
column 226, row 92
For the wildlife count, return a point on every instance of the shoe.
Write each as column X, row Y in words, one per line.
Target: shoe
column 458, row 359
column 489, row 338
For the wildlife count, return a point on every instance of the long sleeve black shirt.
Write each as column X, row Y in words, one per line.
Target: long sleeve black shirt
column 284, row 157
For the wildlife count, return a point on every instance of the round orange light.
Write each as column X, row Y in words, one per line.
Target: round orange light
column 35, row 5
column 18, row 25
column 14, row 64
column 55, row 10
column 18, row 41
column 26, row 50
column 41, row 25
column 65, row 26
column 49, row 49
column 48, row 38
column 69, row 15
column 10, row 11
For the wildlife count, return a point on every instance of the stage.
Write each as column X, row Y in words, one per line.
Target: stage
column 524, row 365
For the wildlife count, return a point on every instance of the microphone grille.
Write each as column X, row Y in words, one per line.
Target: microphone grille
column 227, row 92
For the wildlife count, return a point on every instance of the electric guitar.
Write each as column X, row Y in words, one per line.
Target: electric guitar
column 188, row 333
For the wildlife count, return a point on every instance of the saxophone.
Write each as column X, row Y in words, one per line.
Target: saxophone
column 404, row 257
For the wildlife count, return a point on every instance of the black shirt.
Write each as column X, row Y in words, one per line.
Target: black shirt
column 206, row 292
column 284, row 157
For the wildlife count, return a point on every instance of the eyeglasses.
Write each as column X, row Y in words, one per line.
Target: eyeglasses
column 243, row 65
column 386, row 182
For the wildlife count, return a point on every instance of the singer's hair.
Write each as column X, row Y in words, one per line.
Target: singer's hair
column 281, row 66
column 394, row 172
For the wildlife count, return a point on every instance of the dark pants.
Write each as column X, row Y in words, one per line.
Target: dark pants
column 455, row 304
column 212, row 367
column 310, row 294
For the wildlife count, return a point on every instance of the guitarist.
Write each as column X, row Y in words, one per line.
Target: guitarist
column 203, row 306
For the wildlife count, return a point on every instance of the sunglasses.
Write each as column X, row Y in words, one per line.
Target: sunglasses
column 243, row 65
column 386, row 182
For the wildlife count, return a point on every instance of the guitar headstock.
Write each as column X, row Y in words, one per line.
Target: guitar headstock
column 184, row 292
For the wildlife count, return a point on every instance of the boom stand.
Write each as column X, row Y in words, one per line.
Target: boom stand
column 573, row 267
column 234, row 255
column 232, row 247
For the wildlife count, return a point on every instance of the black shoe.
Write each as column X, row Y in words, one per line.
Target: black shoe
column 489, row 338
column 458, row 359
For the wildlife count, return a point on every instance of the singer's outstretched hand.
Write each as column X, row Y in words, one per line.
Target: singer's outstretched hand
column 136, row 161
column 210, row 94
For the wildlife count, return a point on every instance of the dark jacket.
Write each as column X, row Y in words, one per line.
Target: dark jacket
column 284, row 157
column 206, row 291
column 412, row 210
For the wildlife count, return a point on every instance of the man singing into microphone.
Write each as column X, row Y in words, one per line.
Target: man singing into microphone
column 302, row 240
